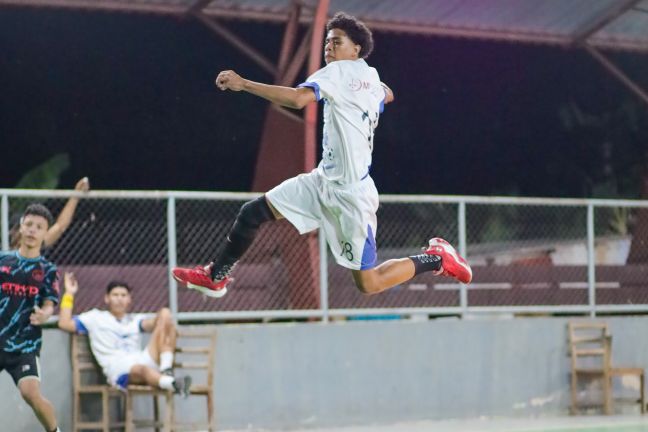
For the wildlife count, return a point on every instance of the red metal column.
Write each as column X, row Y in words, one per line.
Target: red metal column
column 288, row 148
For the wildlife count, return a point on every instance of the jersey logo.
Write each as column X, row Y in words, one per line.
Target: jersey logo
column 38, row 275
column 5, row 269
column 357, row 85
column 14, row 289
column 26, row 367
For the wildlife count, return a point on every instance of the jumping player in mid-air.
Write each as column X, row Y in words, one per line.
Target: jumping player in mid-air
column 339, row 196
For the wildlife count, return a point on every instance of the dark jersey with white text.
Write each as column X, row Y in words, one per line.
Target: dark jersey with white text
column 24, row 283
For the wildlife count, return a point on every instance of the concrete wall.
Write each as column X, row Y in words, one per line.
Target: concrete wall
column 299, row 375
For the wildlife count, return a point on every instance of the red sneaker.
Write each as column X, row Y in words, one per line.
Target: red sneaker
column 452, row 264
column 199, row 278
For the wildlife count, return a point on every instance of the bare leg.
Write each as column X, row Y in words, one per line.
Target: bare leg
column 163, row 338
column 31, row 393
column 386, row 275
column 140, row 374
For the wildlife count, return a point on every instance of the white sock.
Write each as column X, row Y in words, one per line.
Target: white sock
column 166, row 382
column 166, row 360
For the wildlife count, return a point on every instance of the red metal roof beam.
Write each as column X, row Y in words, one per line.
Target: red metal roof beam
column 239, row 43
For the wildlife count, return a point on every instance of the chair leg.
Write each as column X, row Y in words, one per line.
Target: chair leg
column 105, row 411
column 169, row 417
column 574, row 395
column 641, row 396
column 129, row 427
column 76, row 411
column 156, row 413
column 121, row 414
column 210, row 412
column 607, row 395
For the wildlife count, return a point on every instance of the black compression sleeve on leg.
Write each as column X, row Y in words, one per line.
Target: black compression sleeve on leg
column 250, row 217
column 425, row 262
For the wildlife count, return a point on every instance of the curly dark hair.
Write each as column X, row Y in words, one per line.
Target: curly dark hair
column 39, row 210
column 355, row 29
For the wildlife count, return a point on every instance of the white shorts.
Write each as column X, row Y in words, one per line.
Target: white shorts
column 346, row 214
column 119, row 366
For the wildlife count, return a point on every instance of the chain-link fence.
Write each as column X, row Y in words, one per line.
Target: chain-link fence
column 527, row 255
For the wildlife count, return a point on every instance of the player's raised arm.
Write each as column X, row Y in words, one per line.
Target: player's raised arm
column 284, row 96
column 64, row 219
column 66, row 322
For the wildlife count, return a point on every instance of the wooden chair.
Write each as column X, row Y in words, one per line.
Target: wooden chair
column 195, row 352
column 165, row 424
column 590, row 347
column 87, row 380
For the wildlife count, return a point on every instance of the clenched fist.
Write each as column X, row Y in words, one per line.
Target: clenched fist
column 230, row 80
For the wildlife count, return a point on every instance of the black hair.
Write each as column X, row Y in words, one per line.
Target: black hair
column 115, row 284
column 37, row 209
column 355, row 29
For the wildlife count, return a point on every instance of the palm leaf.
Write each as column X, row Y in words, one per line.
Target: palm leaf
column 46, row 175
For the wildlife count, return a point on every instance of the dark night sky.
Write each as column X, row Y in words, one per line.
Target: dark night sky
column 131, row 99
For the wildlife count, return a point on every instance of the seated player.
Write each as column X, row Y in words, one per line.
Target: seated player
column 116, row 343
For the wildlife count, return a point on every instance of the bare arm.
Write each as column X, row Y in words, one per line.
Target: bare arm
column 284, row 96
column 66, row 322
column 389, row 94
column 65, row 217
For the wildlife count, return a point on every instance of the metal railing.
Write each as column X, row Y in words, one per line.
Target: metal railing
column 529, row 255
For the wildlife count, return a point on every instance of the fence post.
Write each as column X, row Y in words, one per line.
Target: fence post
column 323, row 253
column 172, row 254
column 591, row 264
column 4, row 214
column 463, row 292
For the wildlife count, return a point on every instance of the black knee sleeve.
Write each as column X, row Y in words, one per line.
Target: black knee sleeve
column 250, row 217
column 252, row 214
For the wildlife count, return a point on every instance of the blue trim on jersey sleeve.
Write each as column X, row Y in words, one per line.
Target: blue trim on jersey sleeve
column 369, row 252
column 314, row 86
column 80, row 328
column 141, row 329
column 382, row 102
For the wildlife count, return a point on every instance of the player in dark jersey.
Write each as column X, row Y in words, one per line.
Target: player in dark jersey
column 28, row 294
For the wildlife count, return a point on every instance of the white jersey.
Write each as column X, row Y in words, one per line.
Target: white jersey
column 353, row 100
column 110, row 337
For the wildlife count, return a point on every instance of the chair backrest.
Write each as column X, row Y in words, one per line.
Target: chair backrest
column 195, row 353
column 85, row 369
column 589, row 346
